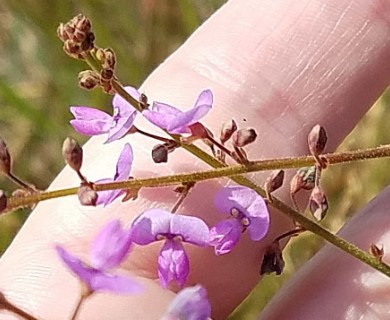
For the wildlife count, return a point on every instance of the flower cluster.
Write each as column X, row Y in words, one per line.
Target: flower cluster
column 245, row 209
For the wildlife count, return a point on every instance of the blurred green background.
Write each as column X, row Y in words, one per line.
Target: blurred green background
column 38, row 84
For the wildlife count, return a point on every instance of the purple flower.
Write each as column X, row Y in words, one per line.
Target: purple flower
column 175, row 121
column 122, row 173
column 249, row 212
column 156, row 224
column 189, row 304
column 108, row 250
column 90, row 122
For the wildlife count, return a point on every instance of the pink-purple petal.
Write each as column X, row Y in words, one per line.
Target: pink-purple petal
column 258, row 227
column 77, row 266
column 119, row 102
column 161, row 114
column 190, row 304
column 173, row 264
column 205, row 98
column 88, row 114
column 111, row 246
column 103, row 282
column 121, row 126
column 192, row 229
column 149, row 224
column 225, row 235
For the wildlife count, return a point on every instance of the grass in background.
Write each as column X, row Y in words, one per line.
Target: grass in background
column 38, row 83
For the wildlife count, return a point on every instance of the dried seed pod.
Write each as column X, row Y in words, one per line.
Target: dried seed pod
column 228, row 128
column 317, row 139
column 243, row 137
column 89, row 79
column 87, row 196
column 318, row 203
column 109, row 58
column 273, row 260
column 3, row 201
column 5, row 158
column 274, row 181
column 72, row 153
column 303, row 179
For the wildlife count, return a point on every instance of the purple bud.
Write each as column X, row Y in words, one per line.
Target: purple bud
column 318, row 204
column 5, row 158
column 72, row 153
column 160, row 153
column 273, row 260
column 243, row 137
column 228, row 128
column 274, row 181
column 317, row 140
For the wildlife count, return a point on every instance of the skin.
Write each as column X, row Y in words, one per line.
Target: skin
column 284, row 66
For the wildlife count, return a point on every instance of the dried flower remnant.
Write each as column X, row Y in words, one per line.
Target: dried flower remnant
column 108, row 250
column 249, row 212
column 178, row 122
column 90, row 122
column 88, row 79
column 156, row 224
column 227, row 130
column 303, row 179
column 318, row 203
column 122, row 173
column 189, row 304
column 273, row 260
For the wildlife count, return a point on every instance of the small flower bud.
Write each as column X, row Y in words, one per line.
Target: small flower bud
column 303, row 179
column 377, row 252
column 228, row 128
column 72, row 48
column 5, row 158
column 318, row 204
column 3, row 201
column 243, row 137
column 317, row 140
column 88, row 43
column 273, row 260
column 72, row 153
column 274, row 181
column 109, row 58
column 61, row 32
column 83, row 24
column 87, row 196
column 160, row 153
column 143, row 101
column 88, row 79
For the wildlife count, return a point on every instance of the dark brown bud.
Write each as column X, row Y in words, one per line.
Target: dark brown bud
column 377, row 252
column 3, row 201
column 88, row 43
column 72, row 48
column 160, row 153
column 273, row 260
column 243, row 137
column 89, row 79
column 72, row 153
column 87, row 196
column 318, row 204
column 5, row 158
column 143, row 101
column 274, row 181
column 303, row 179
column 106, row 74
column 317, row 140
column 228, row 128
